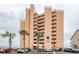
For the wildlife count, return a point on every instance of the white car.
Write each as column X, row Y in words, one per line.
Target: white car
column 20, row 51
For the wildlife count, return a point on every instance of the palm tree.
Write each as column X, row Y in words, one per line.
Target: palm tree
column 24, row 33
column 54, row 47
column 38, row 35
column 11, row 36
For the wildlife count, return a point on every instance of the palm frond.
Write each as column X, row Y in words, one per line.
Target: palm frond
column 39, row 34
column 23, row 32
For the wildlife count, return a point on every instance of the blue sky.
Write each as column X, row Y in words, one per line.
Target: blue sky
column 11, row 14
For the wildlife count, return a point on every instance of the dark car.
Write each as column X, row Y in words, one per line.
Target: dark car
column 60, row 49
column 40, row 50
column 67, row 50
column 7, row 50
column 29, row 49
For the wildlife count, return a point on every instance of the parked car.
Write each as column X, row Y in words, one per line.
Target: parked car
column 20, row 51
column 49, row 50
column 28, row 49
column 7, row 50
column 16, row 49
column 2, row 51
column 67, row 50
column 74, row 51
column 45, row 50
column 40, row 50
column 60, row 49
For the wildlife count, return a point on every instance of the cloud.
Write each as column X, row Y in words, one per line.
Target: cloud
column 10, row 21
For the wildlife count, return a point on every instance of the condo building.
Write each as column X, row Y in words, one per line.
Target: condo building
column 74, row 41
column 51, row 23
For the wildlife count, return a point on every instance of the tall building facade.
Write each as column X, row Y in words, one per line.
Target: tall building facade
column 51, row 23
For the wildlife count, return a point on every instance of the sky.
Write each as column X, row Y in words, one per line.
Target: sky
column 11, row 14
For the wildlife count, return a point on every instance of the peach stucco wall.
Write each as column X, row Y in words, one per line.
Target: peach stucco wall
column 28, row 23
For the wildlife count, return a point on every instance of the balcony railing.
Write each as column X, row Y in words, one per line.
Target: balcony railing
column 53, row 35
column 53, row 38
column 53, row 23
column 53, row 42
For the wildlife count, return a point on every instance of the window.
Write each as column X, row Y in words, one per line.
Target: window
column 53, row 34
column 35, row 17
column 35, row 42
column 53, row 38
column 35, row 21
column 53, row 42
column 41, row 39
column 40, row 29
column 35, row 39
column 53, row 31
column 75, row 46
column 40, row 19
column 47, row 37
column 40, row 22
column 41, row 42
column 53, row 23
column 53, row 15
column 35, row 28
column 53, row 19
column 53, row 27
column 35, row 24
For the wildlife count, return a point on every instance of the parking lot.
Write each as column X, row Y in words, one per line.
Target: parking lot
column 35, row 52
column 39, row 51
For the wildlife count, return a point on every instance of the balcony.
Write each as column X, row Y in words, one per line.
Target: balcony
column 53, row 27
column 39, row 42
column 40, row 26
column 53, row 23
column 53, row 35
column 35, row 28
column 35, row 24
column 41, row 29
column 41, row 19
column 53, row 38
column 53, row 19
column 53, row 42
column 53, row 31
column 35, row 42
column 41, row 22
column 41, row 39
column 53, row 16
column 35, row 21
column 41, row 15
column 35, row 39
column 35, row 17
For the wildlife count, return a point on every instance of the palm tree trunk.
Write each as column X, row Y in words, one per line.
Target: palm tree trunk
column 37, row 45
column 54, row 47
column 10, row 42
column 24, row 44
